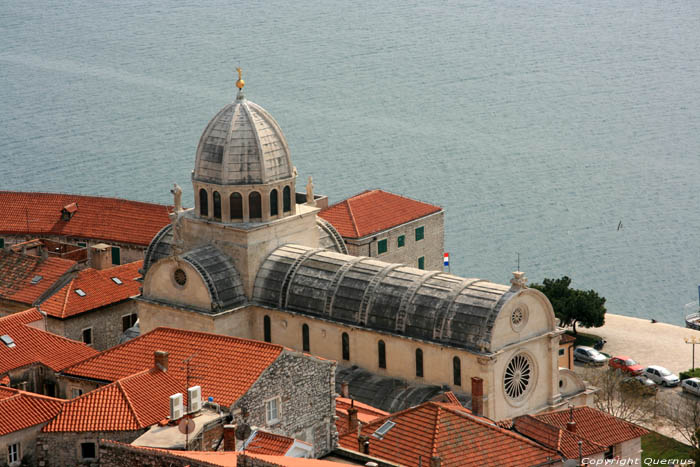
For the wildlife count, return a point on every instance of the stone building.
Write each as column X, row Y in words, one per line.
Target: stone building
column 249, row 261
column 393, row 228
column 95, row 307
column 85, row 221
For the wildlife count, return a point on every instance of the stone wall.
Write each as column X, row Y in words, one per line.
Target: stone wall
column 106, row 324
column 35, row 378
column 59, row 449
column 27, row 442
column 431, row 247
column 306, row 388
column 66, row 384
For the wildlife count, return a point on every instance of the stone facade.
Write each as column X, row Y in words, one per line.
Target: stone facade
column 26, row 441
column 35, row 378
column 106, row 324
column 304, row 387
column 119, row 455
column 431, row 247
column 59, row 449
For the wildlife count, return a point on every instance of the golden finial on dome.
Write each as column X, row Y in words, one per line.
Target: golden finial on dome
column 240, row 83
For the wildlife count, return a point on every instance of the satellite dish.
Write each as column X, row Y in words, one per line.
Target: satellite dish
column 186, row 426
column 243, row 431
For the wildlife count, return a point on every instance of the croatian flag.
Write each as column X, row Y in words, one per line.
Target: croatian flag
column 447, row 259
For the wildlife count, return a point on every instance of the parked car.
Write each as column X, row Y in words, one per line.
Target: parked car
column 691, row 386
column 661, row 375
column 626, row 365
column 639, row 383
column 589, row 355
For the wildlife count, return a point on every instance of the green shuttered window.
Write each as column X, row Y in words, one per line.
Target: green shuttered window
column 382, row 246
column 420, row 233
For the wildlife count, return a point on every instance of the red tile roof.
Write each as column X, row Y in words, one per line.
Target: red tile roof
column 555, row 438
column 99, row 288
column 106, row 219
column 269, row 444
column 225, row 367
column 365, row 413
column 566, row 338
column 458, row 438
column 373, row 211
column 33, row 345
column 132, row 403
column 21, row 409
column 18, row 270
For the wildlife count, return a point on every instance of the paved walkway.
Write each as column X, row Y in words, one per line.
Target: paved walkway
column 648, row 343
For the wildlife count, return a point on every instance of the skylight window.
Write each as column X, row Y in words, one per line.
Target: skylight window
column 80, row 292
column 7, row 340
column 117, row 280
column 384, row 429
column 36, row 279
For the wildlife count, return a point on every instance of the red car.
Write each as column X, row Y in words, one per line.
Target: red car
column 626, row 365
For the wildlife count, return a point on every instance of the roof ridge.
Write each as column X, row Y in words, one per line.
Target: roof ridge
column 68, row 287
column 436, row 431
column 126, row 396
column 49, row 193
column 352, row 217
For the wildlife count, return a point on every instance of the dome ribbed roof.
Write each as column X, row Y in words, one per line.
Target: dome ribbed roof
column 242, row 144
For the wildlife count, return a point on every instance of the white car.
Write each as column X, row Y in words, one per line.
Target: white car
column 691, row 385
column 661, row 375
column 589, row 355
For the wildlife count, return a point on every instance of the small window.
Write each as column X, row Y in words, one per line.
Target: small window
column 76, row 392
column 116, row 255
column 286, row 199
column 87, row 336
column 346, row 346
column 305, row 338
column 13, row 453
column 88, row 451
column 255, row 205
column 7, row 340
column 382, row 246
column 203, row 202
column 36, row 279
column 80, row 292
column 420, row 233
column 456, row 371
column 217, row 205
column 561, row 352
column 384, row 429
column 129, row 321
column 381, row 352
column 273, row 203
column 2, row 243
column 401, row 241
column 236, row 201
column 419, row 363
column 421, row 262
column 117, row 281
column 267, row 329
column 272, row 410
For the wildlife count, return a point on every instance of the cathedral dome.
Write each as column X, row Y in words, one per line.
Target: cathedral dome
column 241, row 145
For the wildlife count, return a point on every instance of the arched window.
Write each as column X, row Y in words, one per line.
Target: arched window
column 381, row 352
column 305, row 338
column 203, row 202
column 287, row 199
column 346, row 346
column 236, row 206
column 217, row 205
column 419, row 363
column 267, row 330
column 457, row 371
column 273, row 203
column 255, row 205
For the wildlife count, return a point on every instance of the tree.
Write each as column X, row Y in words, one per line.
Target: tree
column 684, row 415
column 621, row 395
column 573, row 306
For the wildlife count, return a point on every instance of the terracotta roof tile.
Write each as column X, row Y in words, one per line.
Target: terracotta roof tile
column 373, row 211
column 20, row 409
column 17, row 272
column 33, row 345
column 269, row 444
column 131, row 403
column 216, row 360
column 99, row 289
column 106, row 219
column 365, row 413
column 458, row 438
column 555, row 438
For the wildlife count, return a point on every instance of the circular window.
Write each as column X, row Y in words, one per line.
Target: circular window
column 180, row 277
column 518, row 318
column 518, row 377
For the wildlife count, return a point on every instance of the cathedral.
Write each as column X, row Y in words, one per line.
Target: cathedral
column 253, row 259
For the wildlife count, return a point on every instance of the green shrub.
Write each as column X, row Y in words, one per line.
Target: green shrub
column 692, row 373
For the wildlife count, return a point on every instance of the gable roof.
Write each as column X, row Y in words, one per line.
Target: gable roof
column 131, row 403
column 107, row 219
column 17, row 271
column 33, row 345
column 21, row 409
column 552, row 437
column 373, row 211
column 225, row 367
column 443, row 430
column 262, row 442
column 99, row 290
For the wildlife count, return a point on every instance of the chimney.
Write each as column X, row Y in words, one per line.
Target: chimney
column 477, row 396
column 363, row 441
column 435, row 461
column 229, row 437
column 161, row 360
column 352, row 417
column 571, row 424
column 345, row 389
column 100, row 257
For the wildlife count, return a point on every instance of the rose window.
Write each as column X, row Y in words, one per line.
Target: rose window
column 518, row 376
